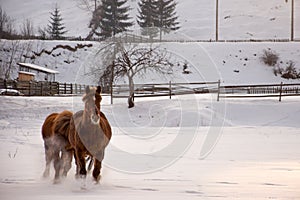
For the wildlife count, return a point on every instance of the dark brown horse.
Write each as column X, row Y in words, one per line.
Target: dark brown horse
column 89, row 133
column 55, row 135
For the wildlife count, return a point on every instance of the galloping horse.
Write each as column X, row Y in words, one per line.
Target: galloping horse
column 55, row 135
column 89, row 133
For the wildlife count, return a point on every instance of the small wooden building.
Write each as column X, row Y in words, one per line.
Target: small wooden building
column 27, row 72
column 26, row 76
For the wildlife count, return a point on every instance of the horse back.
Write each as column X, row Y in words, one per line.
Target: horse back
column 47, row 128
column 62, row 123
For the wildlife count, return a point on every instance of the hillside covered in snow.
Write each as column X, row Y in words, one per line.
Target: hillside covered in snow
column 232, row 63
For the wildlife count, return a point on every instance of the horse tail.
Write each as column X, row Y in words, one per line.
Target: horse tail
column 62, row 123
column 47, row 128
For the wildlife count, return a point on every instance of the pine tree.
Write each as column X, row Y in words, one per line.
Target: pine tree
column 167, row 17
column 56, row 28
column 114, row 18
column 147, row 17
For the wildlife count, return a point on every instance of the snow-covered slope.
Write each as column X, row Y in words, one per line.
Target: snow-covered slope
column 233, row 63
column 237, row 19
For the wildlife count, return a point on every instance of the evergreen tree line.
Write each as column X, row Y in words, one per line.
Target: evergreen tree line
column 155, row 17
column 111, row 17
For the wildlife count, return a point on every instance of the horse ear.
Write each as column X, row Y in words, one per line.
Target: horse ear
column 87, row 89
column 99, row 89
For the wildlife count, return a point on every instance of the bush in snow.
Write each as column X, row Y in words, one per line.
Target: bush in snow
column 290, row 72
column 269, row 57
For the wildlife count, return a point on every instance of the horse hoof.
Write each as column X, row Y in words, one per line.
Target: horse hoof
column 46, row 174
column 56, row 181
column 97, row 180
column 81, row 176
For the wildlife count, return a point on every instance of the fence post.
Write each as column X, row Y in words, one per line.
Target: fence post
column 5, row 84
column 58, row 88
column 280, row 91
column 29, row 88
column 170, row 89
column 65, row 88
column 219, row 85
column 71, row 88
column 42, row 89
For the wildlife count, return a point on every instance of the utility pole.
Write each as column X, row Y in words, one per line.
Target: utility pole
column 292, row 21
column 292, row 18
column 217, row 20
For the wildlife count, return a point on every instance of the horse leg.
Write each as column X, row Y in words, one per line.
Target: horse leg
column 57, row 166
column 96, row 171
column 80, row 157
column 97, row 166
column 48, row 157
column 66, row 161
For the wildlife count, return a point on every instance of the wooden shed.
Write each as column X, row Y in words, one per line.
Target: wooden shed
column 27, row 72
column 26, row 76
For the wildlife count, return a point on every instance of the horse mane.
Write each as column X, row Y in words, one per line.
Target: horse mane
column 98, row 97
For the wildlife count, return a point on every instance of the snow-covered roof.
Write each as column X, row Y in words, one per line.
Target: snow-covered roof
column 38, row 68
column 28, row 73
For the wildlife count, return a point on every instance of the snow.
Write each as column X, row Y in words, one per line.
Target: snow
column 232, row 63
column 237, row 19
column 255, row 153
column 38, row 68
column 189, row 147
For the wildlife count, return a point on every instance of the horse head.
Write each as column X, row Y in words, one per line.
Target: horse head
column 90, row 109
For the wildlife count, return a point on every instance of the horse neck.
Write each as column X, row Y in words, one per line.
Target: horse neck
column 86, row 119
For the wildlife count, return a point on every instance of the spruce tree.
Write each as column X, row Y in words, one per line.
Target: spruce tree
column 114, row 17
column 167, row 17
column 56, row 28
column 147, row 17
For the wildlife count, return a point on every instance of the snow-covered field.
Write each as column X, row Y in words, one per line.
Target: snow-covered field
column 190, row 147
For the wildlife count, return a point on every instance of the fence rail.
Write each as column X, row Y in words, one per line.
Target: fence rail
column 259, row 91
column 162, row 89
column 42, row 88
column 228, row 91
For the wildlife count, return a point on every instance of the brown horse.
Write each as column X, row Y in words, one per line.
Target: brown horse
column 55, row 135
column 89, row 133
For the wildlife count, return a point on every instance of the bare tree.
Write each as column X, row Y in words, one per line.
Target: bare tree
column 3, row 19
column 27, row 29
column 42, row 32
column 25, row 50
column 132, row 60
column 10, row 63
column 88, row 5
column 6, row 25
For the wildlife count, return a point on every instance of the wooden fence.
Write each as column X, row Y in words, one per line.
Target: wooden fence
column 164, row 89
column 155, row 90
column 42, row 88
column 229, row 91
column 259, row 91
